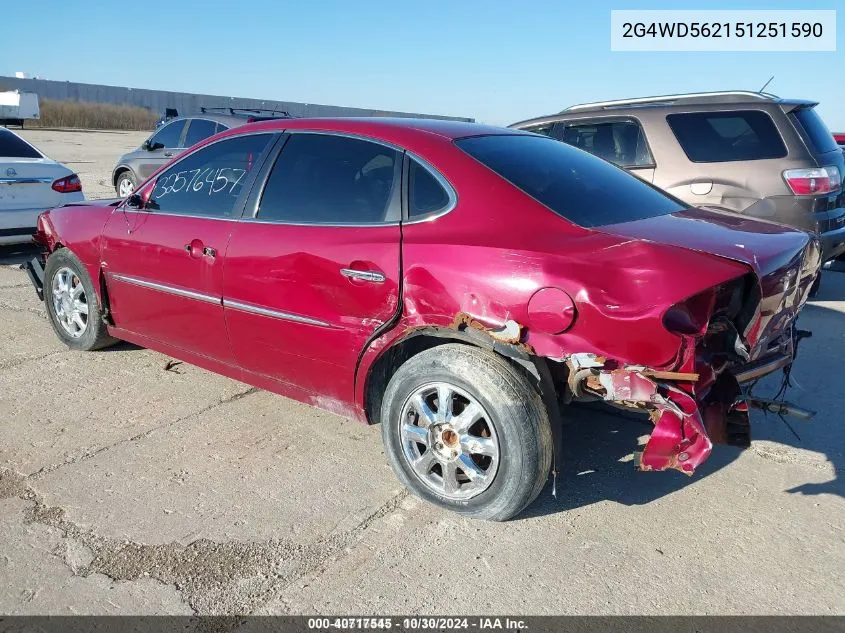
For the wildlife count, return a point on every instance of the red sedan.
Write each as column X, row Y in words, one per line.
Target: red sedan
column 455, row 282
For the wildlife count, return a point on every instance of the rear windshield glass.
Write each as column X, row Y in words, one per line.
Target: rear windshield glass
column 13, row 147
column 717, row 137
column 574, row 184
column 821, row 137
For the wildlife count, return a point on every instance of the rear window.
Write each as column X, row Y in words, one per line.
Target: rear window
column 574, row 184
column 815, row 129
column 13, row 147
column 718, row 137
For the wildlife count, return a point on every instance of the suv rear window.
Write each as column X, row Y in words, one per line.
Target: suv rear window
column 574, row 184
column 13, row 147
column 815, row 129
column 718, row 137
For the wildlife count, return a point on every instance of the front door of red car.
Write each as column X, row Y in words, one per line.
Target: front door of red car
column 164, row 263
column 312, row 275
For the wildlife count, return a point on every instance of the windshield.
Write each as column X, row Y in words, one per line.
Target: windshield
column 574, row 184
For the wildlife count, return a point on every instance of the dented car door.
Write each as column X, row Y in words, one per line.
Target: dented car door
column 312, row 271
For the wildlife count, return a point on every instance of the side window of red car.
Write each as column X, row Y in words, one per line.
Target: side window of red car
column 209, row 181
column 426, row 194
column 333, row 180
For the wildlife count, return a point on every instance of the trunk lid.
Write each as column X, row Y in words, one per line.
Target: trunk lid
column 784, row 260
column 26, row 183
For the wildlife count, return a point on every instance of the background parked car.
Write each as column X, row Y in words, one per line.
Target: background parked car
column 173, row 137
column 840, row 140
column 30, row 183
column 746, row 152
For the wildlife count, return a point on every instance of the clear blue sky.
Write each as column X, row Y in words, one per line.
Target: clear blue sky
column 493, row 60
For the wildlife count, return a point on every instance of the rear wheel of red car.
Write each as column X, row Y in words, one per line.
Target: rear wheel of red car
column 466, row 431
column 72, row 305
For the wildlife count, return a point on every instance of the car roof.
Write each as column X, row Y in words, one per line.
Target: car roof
column 395, row 129
column 227, row 119
column 670, row 102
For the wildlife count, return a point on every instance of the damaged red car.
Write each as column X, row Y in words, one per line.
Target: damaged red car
column 457, row 283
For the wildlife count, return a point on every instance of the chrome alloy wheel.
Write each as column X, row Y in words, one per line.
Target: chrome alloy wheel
column 449, row 441
column 69, row 302
column 124, row 187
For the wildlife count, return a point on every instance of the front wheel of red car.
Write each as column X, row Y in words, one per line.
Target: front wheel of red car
column 466, row 431
column 72, row 305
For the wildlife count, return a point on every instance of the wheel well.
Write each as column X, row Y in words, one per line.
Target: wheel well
column 402, row 351
column 391, row 360
column 117, row 173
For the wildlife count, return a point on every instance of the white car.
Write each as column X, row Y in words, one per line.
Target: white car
column 30, row 183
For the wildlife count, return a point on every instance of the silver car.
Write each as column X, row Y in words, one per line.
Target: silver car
column 174, row 137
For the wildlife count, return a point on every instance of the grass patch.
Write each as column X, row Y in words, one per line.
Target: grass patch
column 93, row 116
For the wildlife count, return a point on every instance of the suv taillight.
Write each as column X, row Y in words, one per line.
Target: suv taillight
column 68, row 184
column 811, row 182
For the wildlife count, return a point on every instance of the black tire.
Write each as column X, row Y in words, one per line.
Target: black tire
column 95, row 334
column 515, row 409
column 127, row 176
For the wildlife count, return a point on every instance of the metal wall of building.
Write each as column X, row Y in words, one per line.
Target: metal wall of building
column 185, row 103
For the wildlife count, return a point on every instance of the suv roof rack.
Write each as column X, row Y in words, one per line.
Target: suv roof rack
column 269, row 113
column 732, row 96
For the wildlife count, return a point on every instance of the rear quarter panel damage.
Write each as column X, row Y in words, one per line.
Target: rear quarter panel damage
column 621, row 287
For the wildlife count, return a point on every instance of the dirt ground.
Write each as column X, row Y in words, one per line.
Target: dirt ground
column 126, row 488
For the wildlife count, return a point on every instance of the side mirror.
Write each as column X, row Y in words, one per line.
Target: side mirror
column 134, row 201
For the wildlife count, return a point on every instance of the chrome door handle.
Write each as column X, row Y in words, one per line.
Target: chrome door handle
column 209, row 252
column 187, row 248
column 168, row 154
column 362, row 275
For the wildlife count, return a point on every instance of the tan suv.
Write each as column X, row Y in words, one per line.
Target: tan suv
column 747, row 152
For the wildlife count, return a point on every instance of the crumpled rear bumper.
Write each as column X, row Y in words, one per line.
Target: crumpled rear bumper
column 691, row 411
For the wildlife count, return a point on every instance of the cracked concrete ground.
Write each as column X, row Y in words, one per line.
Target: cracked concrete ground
column 129, row 489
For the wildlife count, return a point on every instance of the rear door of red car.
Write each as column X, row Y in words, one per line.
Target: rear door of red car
column 313, row 268
column 164, row 263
